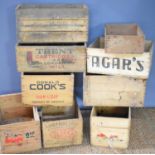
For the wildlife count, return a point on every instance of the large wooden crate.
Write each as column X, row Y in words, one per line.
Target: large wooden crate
column 19, row 126
column 124, row 38
column 62, row 126
column 51, row 58
column 110, row 126
column 131, row 65
column 48, row 89
column 104, row 90
column 52, row 23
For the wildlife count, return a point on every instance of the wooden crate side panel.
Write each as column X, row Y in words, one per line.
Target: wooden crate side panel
column 52, row 25
column 55, row 37
column 124, row 44
column 105, row 91
column 131, row 65
column 56, row 90
column 20, row 137
column 62, row 133
column 51, row 58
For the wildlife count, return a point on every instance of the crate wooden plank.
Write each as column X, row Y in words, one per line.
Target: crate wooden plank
column 52, row 23
column 124, row 38
column 131, row 65
column 47, row 89
column 19, row 126
column 110, row 129
column 51, row 58
column 54, row 37
column 63, row 132
column 102, row 90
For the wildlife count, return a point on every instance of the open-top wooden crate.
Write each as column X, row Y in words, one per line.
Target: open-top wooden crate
column 19, row 126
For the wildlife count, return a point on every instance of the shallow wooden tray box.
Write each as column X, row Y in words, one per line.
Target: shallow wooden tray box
column 105, row 90
column 110, row 126
column 52, row 23
column 42, row 89
column 130, row 65
column 62, row 127
column 51, row 58
column 19, row 126
column 124, row 38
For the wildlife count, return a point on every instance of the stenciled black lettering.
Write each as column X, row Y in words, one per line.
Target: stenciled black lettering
column 140, row 66
column 32, row 87
column 95, row 61
column 105, row 64
column 62, row 86
column 126, row 64
column 116, row 63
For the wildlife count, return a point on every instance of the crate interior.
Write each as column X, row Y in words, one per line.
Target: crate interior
column 99, row 43
column 16, row 114
column 51, row 113
column 117, row 112
column 122, row 29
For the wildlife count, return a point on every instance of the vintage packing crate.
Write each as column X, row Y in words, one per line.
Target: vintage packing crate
column 62, row 126
column 19, row 125
column 124, row 38
column 48, row 89
column 131, row 65
column 110, row 126
column 52, row 23
column 51, row 58
column 105, row 90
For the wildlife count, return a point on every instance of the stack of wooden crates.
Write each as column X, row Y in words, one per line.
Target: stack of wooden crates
column 118, row 66
column 51, row 47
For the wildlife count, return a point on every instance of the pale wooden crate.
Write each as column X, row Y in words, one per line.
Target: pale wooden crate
column 130, row 65
column 52, row 23
column 42, row 89
column 124, row 38
column 19, row 126
column 110, row 126
column 51, row 58
column 62, row 127
column 104, row 90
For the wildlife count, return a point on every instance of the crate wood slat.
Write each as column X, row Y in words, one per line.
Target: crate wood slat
column 110, row 128
column 124, row 38
column 19, row 126
column 102, row 90
column 47, row 89
column 63, row 132
column 51, row 58
column 52, row 23
column 131, row 65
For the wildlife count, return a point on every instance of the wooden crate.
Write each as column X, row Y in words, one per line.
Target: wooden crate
column 19, row 126
column 110, row 126
column 50, row 58
column 47, row 89
column 102, row 90
column 62, row 127
column 52, row 23
column 124, row 38
column 131, row 65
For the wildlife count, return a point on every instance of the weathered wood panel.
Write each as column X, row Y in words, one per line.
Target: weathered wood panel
column 131, row 65
column 46, row 89
column 19, row 126
column 124, row 38
column 101, row 90
column 110, row 129
column 63, row 132
column 51, row 58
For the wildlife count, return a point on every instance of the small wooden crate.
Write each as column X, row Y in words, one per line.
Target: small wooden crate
column 124, row 38
column 52, row 23
column 51, row 58
column 102, row 90
column 131, row 65
column 48, row 89
column 110, row 126
column 62, row 127
column 19, row 126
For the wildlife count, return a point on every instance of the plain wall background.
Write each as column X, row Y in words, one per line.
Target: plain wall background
column 101, row 12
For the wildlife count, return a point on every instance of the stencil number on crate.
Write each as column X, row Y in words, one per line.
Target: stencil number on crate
column 117, row 63
column 47, row 85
